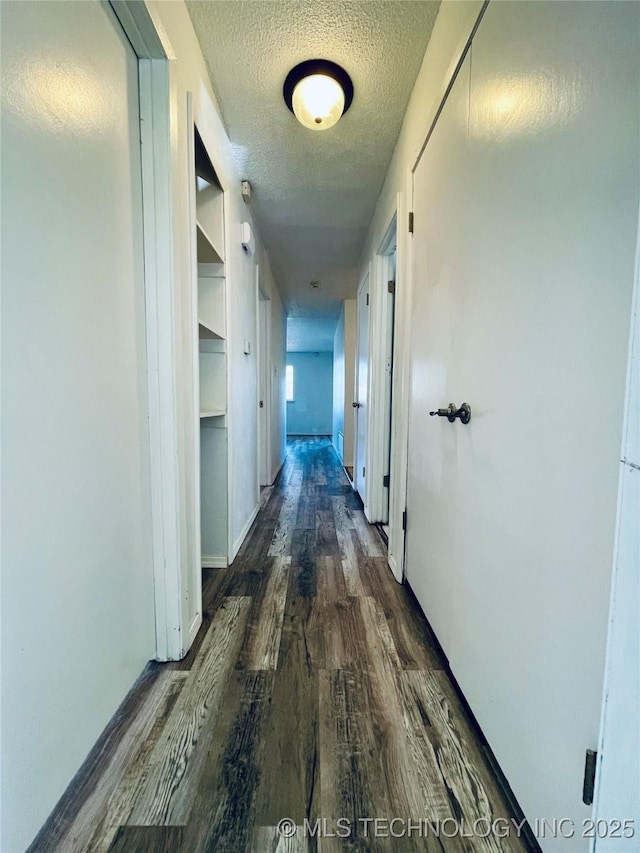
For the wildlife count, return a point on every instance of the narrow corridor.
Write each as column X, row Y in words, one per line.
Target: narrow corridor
column 313, row 693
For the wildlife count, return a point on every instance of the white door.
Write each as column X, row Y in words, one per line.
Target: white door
column 362, row 377
column 264, row 391
column 523, row 264
column 388, row 388
column 432, row 444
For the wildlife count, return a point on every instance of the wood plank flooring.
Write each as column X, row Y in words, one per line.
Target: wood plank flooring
column 313, row 693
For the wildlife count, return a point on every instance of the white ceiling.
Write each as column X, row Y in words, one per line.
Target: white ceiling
column 314, row 192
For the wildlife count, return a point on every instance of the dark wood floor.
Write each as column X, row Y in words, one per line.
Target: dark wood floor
column 313, row 692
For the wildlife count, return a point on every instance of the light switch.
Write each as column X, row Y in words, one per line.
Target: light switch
column 247, row 347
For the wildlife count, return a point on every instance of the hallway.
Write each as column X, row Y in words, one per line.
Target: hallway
column 313, row 691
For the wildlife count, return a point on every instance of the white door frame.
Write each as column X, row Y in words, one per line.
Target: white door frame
column 379, row 352
column 157, row 88
column 398, row 521
column 401, row 383
column 263, row 338
column 365, row 461
column 397, row 232
column 617, row 788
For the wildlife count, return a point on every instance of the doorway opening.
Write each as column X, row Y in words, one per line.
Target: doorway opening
column 264, row 386
column 360, row 403
column 309, row 375
column 387, row 258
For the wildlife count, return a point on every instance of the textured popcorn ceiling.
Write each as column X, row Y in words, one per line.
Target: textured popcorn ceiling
column 314, row 192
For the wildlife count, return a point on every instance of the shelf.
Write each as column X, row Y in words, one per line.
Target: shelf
column 206, row 333
column 210, row 215
column 216, row 418
column 213, row 344
column 211, row 270
column 211, row 300
column 212, row 360
column 207, row 254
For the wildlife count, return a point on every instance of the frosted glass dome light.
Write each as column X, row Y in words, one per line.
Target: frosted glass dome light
column 318, row 101
column 318, row 92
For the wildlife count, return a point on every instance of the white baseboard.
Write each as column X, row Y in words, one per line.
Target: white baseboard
column 278, row 469
column 394, row 568
column 243, row 533
column 213, row 562
column 193, row 630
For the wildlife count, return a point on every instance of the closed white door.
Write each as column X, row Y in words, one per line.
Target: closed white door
column 618, row 776
column 433, row 444
column 362, row 377
column 526, row 211
column 264, row 391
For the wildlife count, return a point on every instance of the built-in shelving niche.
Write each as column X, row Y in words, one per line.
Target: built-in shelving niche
column 212, row 336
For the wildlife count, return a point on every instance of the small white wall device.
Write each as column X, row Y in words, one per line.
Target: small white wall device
column 247, row 239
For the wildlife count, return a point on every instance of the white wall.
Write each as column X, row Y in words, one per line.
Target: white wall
column 189, row 73
column 533, row 235
column 344, row 346
column 77, row 586
column 311, row 411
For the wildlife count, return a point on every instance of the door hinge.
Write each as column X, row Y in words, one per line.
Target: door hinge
column 385, row 481
column 391, row 286
column 262, row 404
column 363, row 470
column 590, row 761
column 411, row 222
column 367, row 298
column 404, row 520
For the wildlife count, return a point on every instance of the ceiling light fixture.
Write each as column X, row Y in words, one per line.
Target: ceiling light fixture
column 318, row 92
